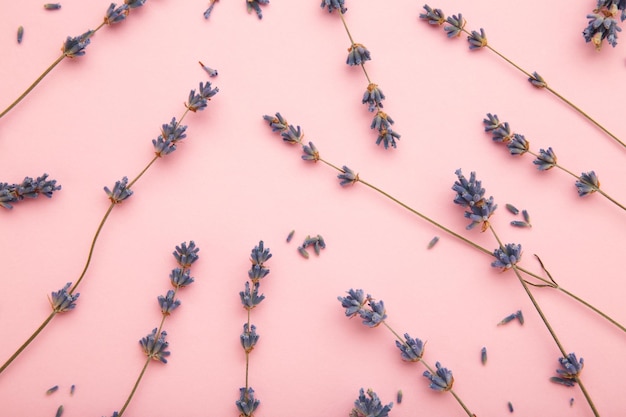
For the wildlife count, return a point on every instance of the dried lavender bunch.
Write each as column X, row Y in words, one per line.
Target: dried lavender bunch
column 373, row 96
column 171, row 134
column 455, row 25
column 603, row 22
column 74, row 47
column 470, row 194
column 293, row 136
column 154, row 344
column 373, row 314
column 587, row 183
column 28, row 188
column 250, row 298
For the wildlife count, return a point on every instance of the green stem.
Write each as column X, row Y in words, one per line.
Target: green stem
column 33, row 85
column 132, row 392
column 27, row 342
column 431, row 370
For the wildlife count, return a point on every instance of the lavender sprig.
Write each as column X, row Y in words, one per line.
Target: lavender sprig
column 28, row 188
column 250, row 298
column 586, row 183
column 120, row 192
column 280, row 126
column 411, row 350
column 154, row 344
column 74, row 47
column 603, row 23
column 373, row 96
column 455, row 25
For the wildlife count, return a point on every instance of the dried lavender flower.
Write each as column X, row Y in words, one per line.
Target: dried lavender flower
column 375, row 315
column 507, row 257
column 258, row 257
column 587, row 183
column 317, row 242
column 510, row 405
column 180, row 278
column 20, row 34
column 483, row 355
column 470, row 195
column 198, row 101
column 508, row 319
column 442, row 380
column 116, row 14
column 537, row 80
column 212, row 72
column 73, row 47
column 52, row 6
column 247, row 404
column 52, row 390
column 518, row 145
column 249, row 337
column 511, row 208
column 277, row 123
column 477, row 40
column 526, row 216
column 292, row 135
column 303, row 252
column 133, row 4
column 545, row 160
column 167, row 303
column 411, row 350
column 28, row 188
column 387, row 137
column 373, row 96
column 208, row 11
column 334, row 5
column 520, row 317
column 433, row 242
column 358, row 54
column 519, row 223
column 256, row 6
column 570, row 366
column 500, row 131
column 310, row 152
column 457, row 23
column 603, row 23
column 120, row 191
column 185, row 254
column 562, row 381
column 290, row 235
column 369, row 407
column 433, row 16
column 63, row 300
column 347, row 177
column 250, row 298
column 354, row 302
column 155, row 348
column 171, row 134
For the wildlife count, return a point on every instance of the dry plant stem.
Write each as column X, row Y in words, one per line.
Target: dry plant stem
column 39, row 79
column 480, row 248
column 145, row 366
column 247, row 358
column 431, row 370
column 546, row 323
column 559, row 96
column 85, row 268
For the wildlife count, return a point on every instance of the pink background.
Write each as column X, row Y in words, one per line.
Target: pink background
column 232, row 183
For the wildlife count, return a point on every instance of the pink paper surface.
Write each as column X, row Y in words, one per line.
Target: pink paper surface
column 232, row 182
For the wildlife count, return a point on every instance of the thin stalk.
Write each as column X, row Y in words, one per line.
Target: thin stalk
column 247, row 358
column 432, row 371
column 132, row 392
column 478, row 247
column 545, row 322
column 27, row 342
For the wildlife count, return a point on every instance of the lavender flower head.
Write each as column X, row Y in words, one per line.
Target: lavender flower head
column 28, row 188
column 258, row 257
column 133, row 4
column 181, row 278
column 587, row 183
column 603, row 23
column 571, row 366
column 518, row 145
column 477, row 40
column 198, row 101
column 507, row 257
column 250, row 298
column 375, row 315
column 256, row 6
column 310, row 152
column 116, row 14
column 155, row 348
column 171, row 133
column 75, row 46
column 62, row 300
column 369, row 406
column 500, row 131
column 456, row 25
column 387, row 137
column 433, row 16
column 186, row 254
column 334, row 5
column 292, row 135
column 277, row 123
column 358, row 54
column 168, row 303
column 354, row 302
column 120, row 191
column 470, row 195
column 373, row 96
column 249, row 337
column 545, row 160
column 537, row 81
column 347, row 177
column 411, row 350
column 246, row 404
column 442, row 380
